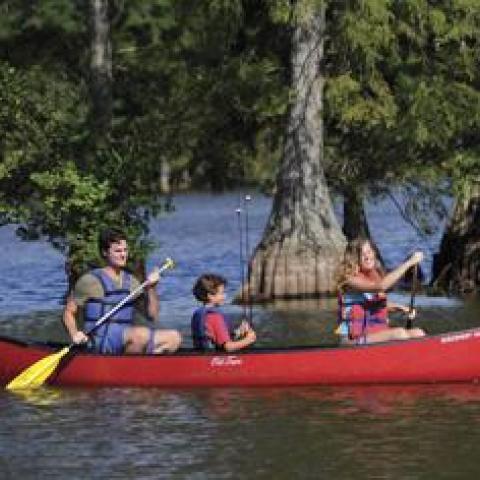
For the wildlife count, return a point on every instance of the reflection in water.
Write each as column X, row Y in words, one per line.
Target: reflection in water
column 351, row 432
column 377, row 400
column 40, row 397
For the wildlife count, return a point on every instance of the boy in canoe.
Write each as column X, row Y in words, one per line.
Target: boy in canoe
column 210, row 328
column 363, row 303
column 99, row 290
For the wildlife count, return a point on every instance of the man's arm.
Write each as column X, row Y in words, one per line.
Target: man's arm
column 87, row 286
column 148, row 303
column 70, row 322
column 153, row 303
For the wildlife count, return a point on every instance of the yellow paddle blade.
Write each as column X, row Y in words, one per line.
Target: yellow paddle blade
column 36, row 375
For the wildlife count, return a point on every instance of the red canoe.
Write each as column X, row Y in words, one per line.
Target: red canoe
column 449, row 357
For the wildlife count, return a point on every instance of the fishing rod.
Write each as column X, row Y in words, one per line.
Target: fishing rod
column 244, row 247
column 242, row 261
column 248, row 199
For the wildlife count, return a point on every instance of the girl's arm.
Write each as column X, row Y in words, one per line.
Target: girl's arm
column 397, row 307
column 362, row 284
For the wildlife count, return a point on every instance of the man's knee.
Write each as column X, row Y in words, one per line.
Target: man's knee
column 137, row 338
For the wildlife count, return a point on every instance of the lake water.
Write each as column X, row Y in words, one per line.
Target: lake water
column 350, row 432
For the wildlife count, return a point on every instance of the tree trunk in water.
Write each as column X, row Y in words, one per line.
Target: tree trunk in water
column 100, row 68
column 456, row 267
column 355, row 223
column 302, row 243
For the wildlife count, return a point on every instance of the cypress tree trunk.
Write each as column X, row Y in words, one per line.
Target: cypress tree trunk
column 100, row 68
column 456, row 267
column 354, row 218
column 302, row 243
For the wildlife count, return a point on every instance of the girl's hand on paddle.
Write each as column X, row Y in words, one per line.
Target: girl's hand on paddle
column 251, row 335
column 79, row 338
column 411, row 314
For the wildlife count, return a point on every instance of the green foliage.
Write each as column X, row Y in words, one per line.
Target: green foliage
column 41, row 121
column 402, row 87
column 206, row 91
column 203, row 88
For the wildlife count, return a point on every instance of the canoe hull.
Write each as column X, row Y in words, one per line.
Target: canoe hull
column 446, row 358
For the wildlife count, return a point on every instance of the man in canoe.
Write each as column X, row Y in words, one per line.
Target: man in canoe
column 363, row 303
column 99, row 290
column 210, row 328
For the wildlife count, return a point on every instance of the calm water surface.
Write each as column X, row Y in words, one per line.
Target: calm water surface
column 355, row 432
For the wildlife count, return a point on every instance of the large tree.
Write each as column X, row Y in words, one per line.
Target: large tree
column 457, row 265
column 101, row 83
column 302, row 242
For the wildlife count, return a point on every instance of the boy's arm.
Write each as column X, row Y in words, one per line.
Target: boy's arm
column 218, row 332
column 234, row 345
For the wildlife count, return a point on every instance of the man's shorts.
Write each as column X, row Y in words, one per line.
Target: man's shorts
column 109, row 338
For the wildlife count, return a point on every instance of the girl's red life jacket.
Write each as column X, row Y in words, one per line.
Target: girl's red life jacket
column 363, row 312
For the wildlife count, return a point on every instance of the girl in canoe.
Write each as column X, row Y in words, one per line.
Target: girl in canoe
column 210, row 328
column 363, row 303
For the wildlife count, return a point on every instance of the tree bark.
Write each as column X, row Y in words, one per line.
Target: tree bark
column 456, row 267
column 355, row 222
column 302, row 243
column 100, row 68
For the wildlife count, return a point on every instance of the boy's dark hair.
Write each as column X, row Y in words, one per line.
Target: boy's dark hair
column 109, row 236
column 206, row 284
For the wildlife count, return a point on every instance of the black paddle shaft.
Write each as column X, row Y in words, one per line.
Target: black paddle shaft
column 409, row 324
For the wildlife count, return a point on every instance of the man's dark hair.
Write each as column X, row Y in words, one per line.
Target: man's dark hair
column 207, row 284
column 109, row 236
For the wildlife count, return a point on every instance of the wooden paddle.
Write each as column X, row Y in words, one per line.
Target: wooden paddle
column 36, row 375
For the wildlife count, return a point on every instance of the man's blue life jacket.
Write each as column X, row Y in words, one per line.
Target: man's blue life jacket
column 95, row 308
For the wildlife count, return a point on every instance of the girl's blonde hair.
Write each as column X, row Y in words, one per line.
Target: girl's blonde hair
column 350, row 264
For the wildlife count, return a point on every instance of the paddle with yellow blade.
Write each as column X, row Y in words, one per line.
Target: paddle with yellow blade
column 36, row 375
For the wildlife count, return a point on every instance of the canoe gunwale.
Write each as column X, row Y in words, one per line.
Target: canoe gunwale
column 54, row 346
